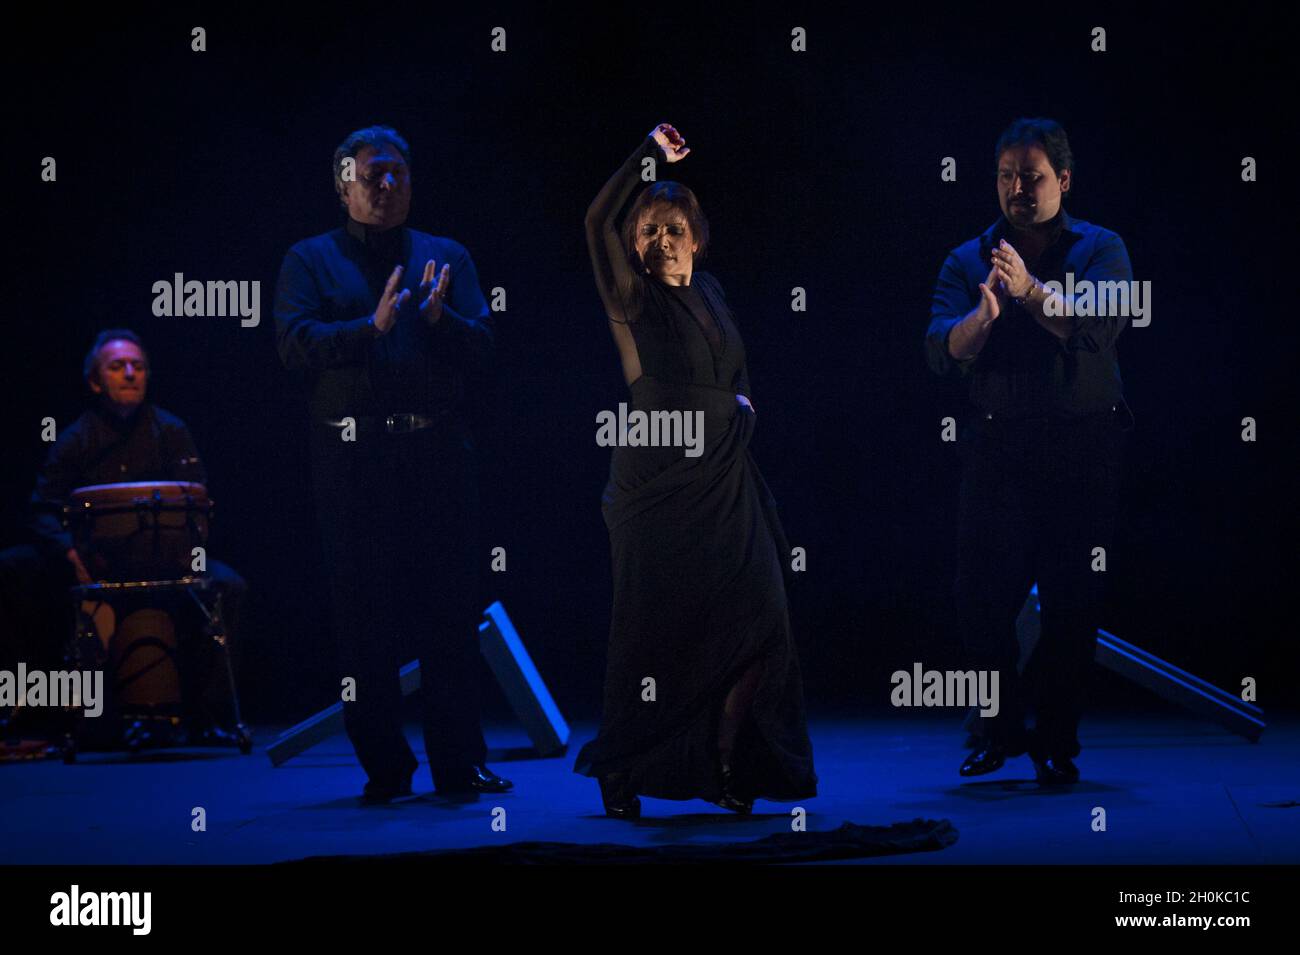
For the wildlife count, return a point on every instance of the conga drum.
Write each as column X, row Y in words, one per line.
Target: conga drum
column 144, row 530
column 143, row 660
column 135, row 638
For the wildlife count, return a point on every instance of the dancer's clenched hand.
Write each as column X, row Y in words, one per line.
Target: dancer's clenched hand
column 671, row 142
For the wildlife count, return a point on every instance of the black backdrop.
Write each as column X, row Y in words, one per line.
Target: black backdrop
column 817, row 169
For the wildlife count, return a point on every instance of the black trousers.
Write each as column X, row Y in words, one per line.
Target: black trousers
column 1037, row 497
column 398, row 518
column 36, row 614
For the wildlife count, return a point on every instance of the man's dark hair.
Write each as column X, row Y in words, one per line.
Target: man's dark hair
column 1040, row 131
column 90, row 366
column 680, row 198
column 374, row 136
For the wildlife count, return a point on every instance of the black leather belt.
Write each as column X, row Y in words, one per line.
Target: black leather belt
column 393, row 423
column 1118, row 411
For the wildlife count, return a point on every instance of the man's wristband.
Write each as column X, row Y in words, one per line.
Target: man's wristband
column 1022, row 299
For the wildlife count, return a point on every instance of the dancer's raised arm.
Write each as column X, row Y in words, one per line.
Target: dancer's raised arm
column 614, row 274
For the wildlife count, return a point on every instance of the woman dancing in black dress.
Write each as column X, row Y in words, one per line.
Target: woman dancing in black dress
column 702, row 691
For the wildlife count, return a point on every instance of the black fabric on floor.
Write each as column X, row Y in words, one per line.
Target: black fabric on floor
column 849, row 841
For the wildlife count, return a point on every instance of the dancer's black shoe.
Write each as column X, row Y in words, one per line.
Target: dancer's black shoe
column 620, row 802
column 730, row 798
column 470, row 780
column 988, row 758
column 1056, row 771
column 382, row 793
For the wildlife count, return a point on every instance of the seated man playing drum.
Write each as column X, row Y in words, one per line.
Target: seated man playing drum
column 121, row 438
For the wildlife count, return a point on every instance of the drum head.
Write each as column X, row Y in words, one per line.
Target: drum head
column 143, row 530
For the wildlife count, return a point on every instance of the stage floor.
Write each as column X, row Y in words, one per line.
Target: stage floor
column 1175, row 791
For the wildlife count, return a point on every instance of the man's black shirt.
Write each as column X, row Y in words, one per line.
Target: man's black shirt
column 1023, row 369
column 101, row 448
column 330, row 285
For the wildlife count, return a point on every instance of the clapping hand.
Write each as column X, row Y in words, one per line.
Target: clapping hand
column 1011, row 270
column 390, row 302
column 990, row 306
column 433, row 288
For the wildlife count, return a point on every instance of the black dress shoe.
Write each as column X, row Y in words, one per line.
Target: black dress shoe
column 731, row 798
column 379, row 794
column 473, row 779
column 1056, row 771
column 988, row 758
column 620, row 802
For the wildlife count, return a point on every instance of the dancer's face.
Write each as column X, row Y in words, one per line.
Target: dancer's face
column 665, row 243
column 381, row 194
column 1029, row 190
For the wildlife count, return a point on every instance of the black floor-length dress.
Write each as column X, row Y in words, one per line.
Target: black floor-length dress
column 697, row 548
